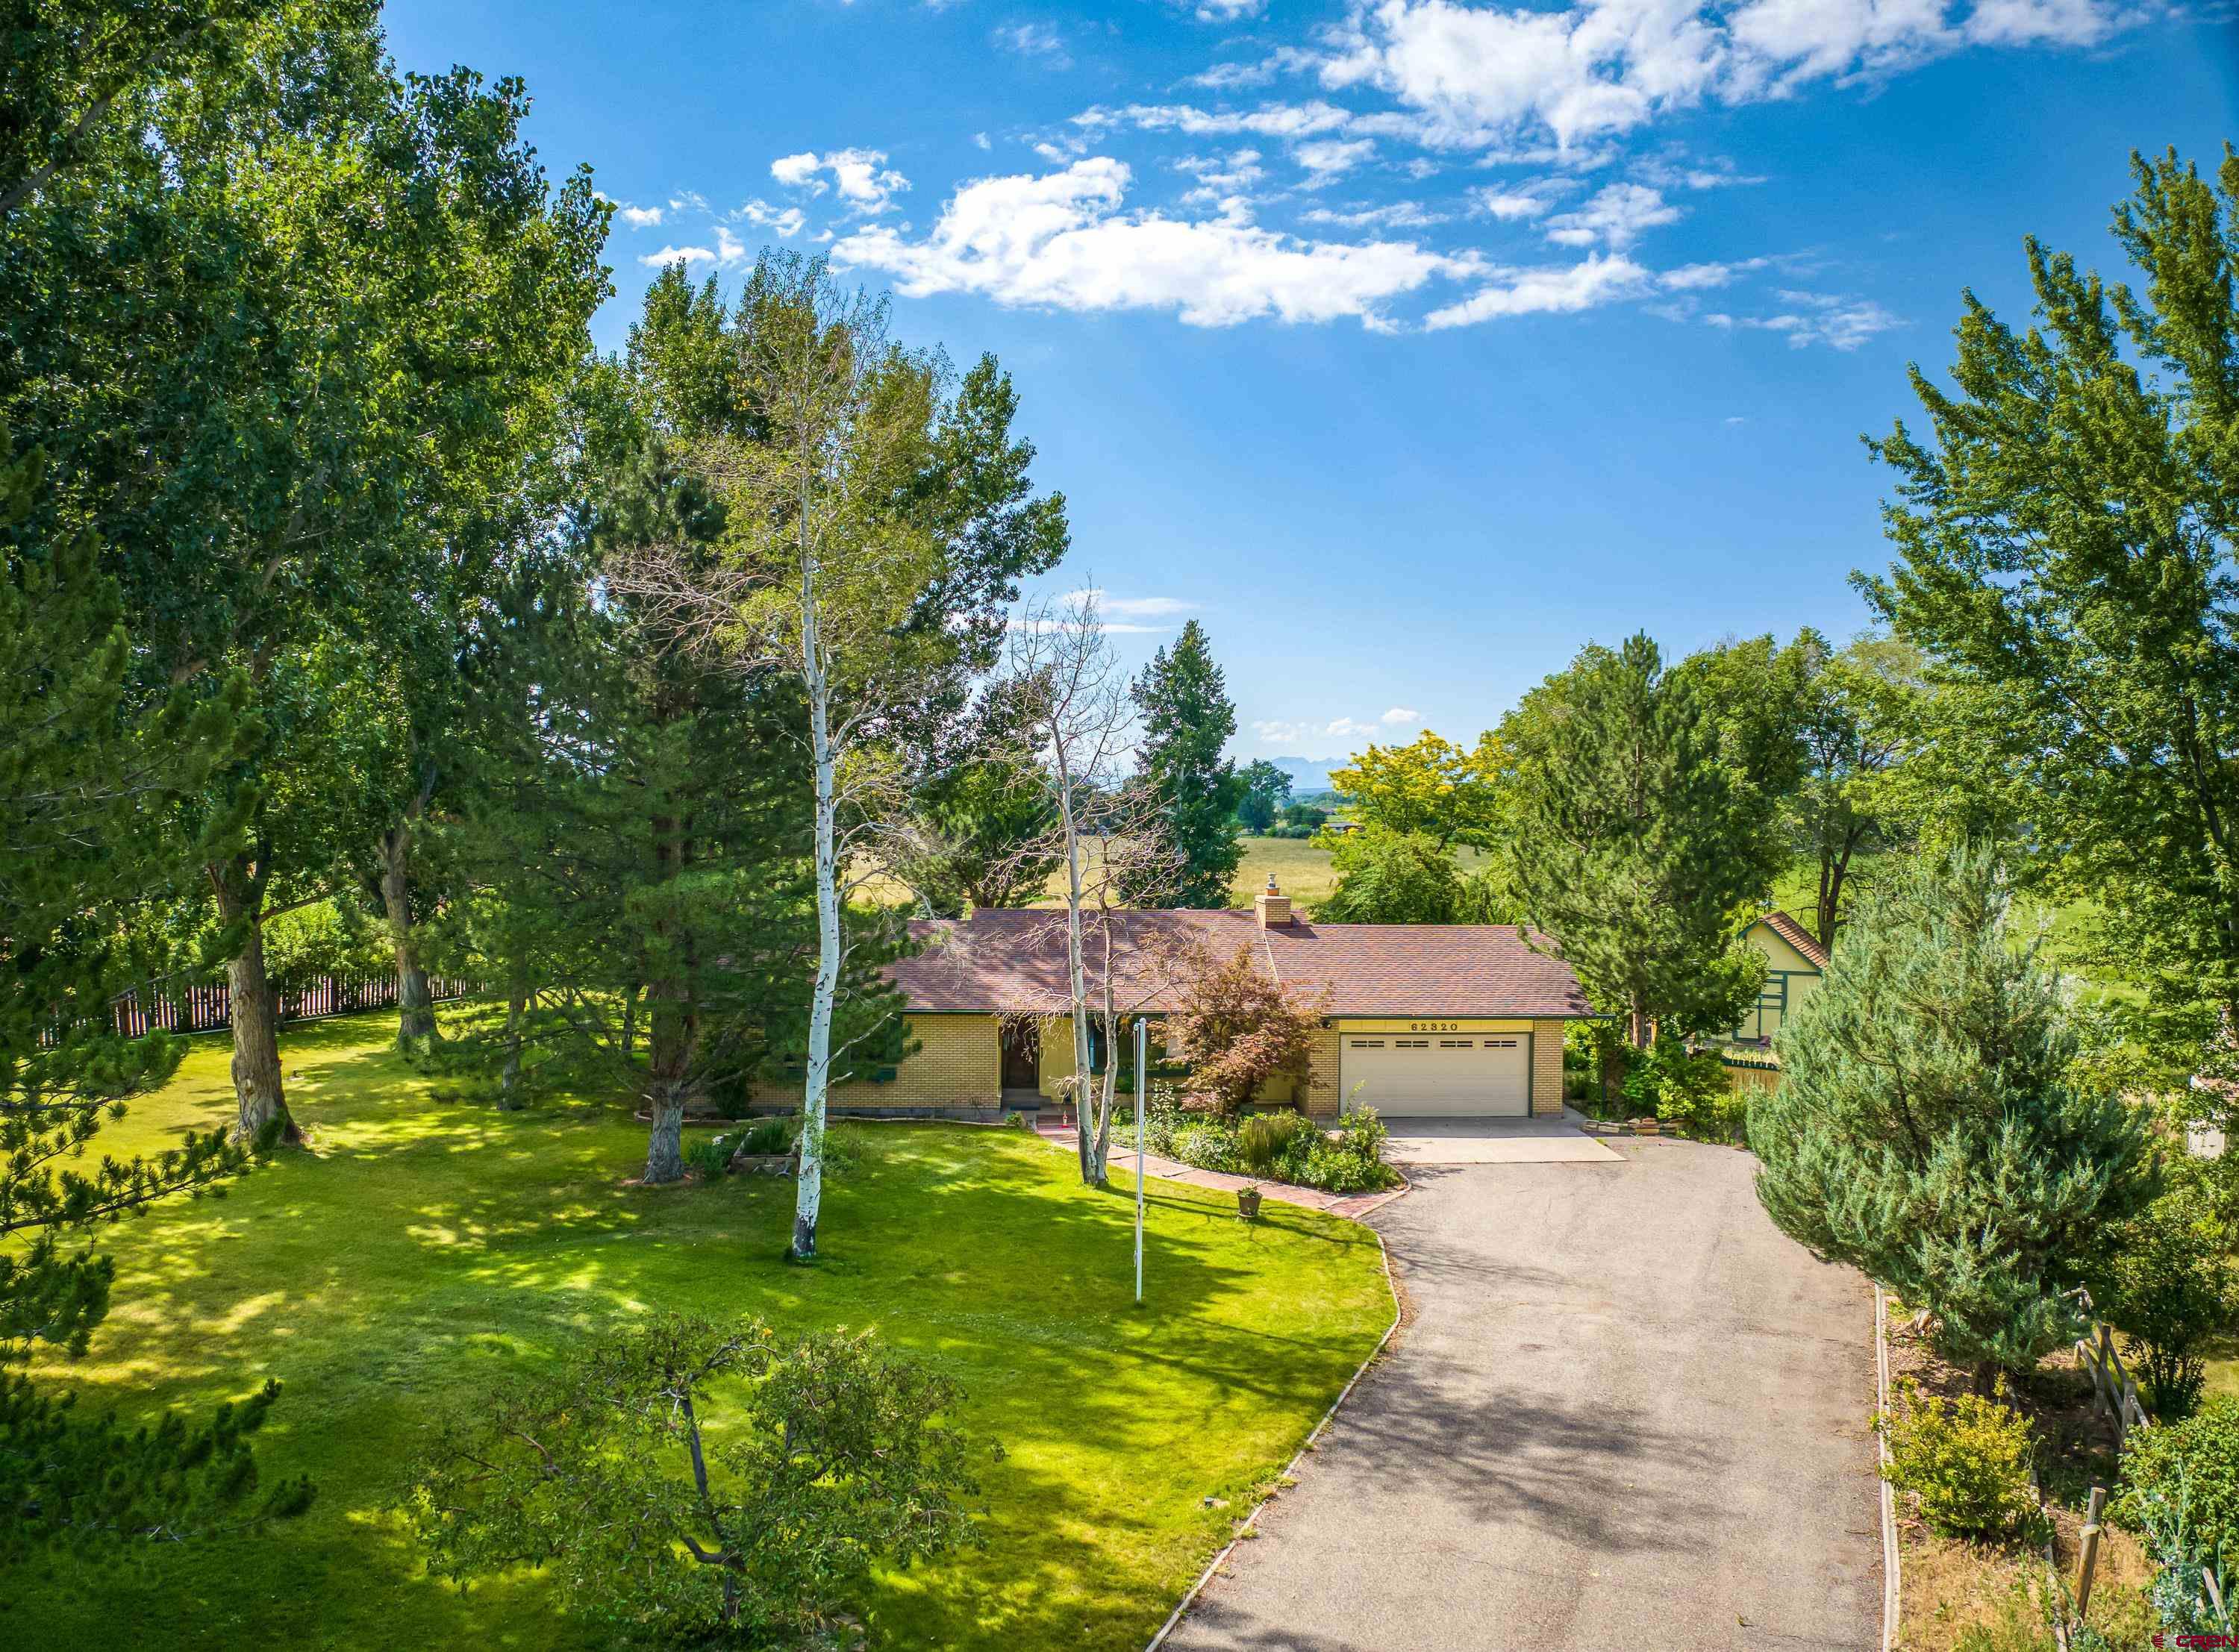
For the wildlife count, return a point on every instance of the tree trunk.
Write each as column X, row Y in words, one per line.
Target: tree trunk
column 672, row 1024
column 664, row 1147
column 809, row 1185
column 509, row 1090
column 1636, row 1025
column 256, row 1083
column 416, row 1003
column 1084, row 1082
column 630, row 1019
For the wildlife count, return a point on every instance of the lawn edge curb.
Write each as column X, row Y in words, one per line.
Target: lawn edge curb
column 1889, row 1568
column 1391, row 1284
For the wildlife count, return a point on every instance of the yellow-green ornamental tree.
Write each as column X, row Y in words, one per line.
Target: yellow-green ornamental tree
column 1429, row 786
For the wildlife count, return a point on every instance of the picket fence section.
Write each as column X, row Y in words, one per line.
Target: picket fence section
column 208, row 1009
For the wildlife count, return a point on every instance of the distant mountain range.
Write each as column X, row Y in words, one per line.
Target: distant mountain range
column 1308, row 774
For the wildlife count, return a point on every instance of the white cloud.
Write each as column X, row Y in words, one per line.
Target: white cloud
column 1693, row 278
column 1331, row 158
column 979, row 140
column 1348, row 728
column 863, row 179
column 1478, row 74
column 1061, row 240
column 1512, row 202
column 1839, row 321
column 1400, row 716
column 1615, row 217
column 1131, row 608
column 1400, row 215
column 1228, row 10
column 1222, row 174
column 677, row 256
column 1269, row 120
column 688, row 200
column 1223, row 77
column 787, row 222
column 1601, row 280
column 1035, row 40
column 1059, row 626
column 639, row 217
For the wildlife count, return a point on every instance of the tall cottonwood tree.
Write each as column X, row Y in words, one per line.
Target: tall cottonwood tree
column 273, row 321
column 2064, row 535
column 81, row 856
column 1860, row 711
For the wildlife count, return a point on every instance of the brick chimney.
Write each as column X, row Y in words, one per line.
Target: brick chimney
column 1273, row 905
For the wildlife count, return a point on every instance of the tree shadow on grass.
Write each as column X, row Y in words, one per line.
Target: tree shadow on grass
column 412, row 1268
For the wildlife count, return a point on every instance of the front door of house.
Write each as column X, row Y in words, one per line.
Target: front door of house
column 1022, row 1055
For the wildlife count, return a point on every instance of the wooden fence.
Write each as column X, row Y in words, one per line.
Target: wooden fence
column 2114, row 1391
column 208, row 1009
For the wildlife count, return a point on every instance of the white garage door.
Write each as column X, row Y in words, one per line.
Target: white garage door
column 1462, row 1075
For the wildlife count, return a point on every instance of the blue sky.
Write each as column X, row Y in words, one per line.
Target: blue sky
column 1408, row 345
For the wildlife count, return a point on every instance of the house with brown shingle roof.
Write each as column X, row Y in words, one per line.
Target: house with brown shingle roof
column 1462, row 1020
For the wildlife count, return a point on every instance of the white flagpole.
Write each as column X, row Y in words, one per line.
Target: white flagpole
column 1142, row 1101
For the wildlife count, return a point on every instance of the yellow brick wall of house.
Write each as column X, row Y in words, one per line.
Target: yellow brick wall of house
column 958, row 1063
column 1323, row 1097
column 1056, row 1057
column 1546, row 1069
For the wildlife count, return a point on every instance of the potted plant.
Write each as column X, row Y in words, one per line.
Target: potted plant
column 1247, row 1202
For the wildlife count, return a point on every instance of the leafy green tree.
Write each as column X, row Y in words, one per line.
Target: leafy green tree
column 694, row 1482
column 80, row 785
column 1750, row 695
column 2166, row 1283
column 274, row 475
column 1188, row 720
column 1385, row 877
column 984, row 826
column 1635, row 844
column 1860, row 711
column 1266, row 792
column 2064, row 539
column 1927, row 1130
column 1430, row 787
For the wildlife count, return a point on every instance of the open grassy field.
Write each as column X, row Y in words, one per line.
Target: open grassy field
column 424, row 1250
column 1300, row 865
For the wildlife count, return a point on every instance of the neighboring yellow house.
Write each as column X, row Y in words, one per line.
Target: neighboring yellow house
column 1793, row 964
column 1456, row 1020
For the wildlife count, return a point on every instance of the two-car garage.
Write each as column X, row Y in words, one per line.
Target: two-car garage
column 1431, row 1073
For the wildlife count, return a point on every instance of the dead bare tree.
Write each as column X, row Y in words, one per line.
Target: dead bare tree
column 1080, row 722
column 815, row 577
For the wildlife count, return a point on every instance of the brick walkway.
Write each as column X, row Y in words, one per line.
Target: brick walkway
column 1351, row 1205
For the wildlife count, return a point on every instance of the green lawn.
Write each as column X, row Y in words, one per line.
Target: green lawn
column 424, row 1249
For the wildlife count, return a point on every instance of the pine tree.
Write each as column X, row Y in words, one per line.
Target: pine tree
column 1188, row 720
column 1927, row 1129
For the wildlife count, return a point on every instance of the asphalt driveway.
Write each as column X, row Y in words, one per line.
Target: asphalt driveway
column 1626, row 1413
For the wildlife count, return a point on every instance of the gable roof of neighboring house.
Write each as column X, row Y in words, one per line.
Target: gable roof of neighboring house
column 1015, row 961
column 1796, row 936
